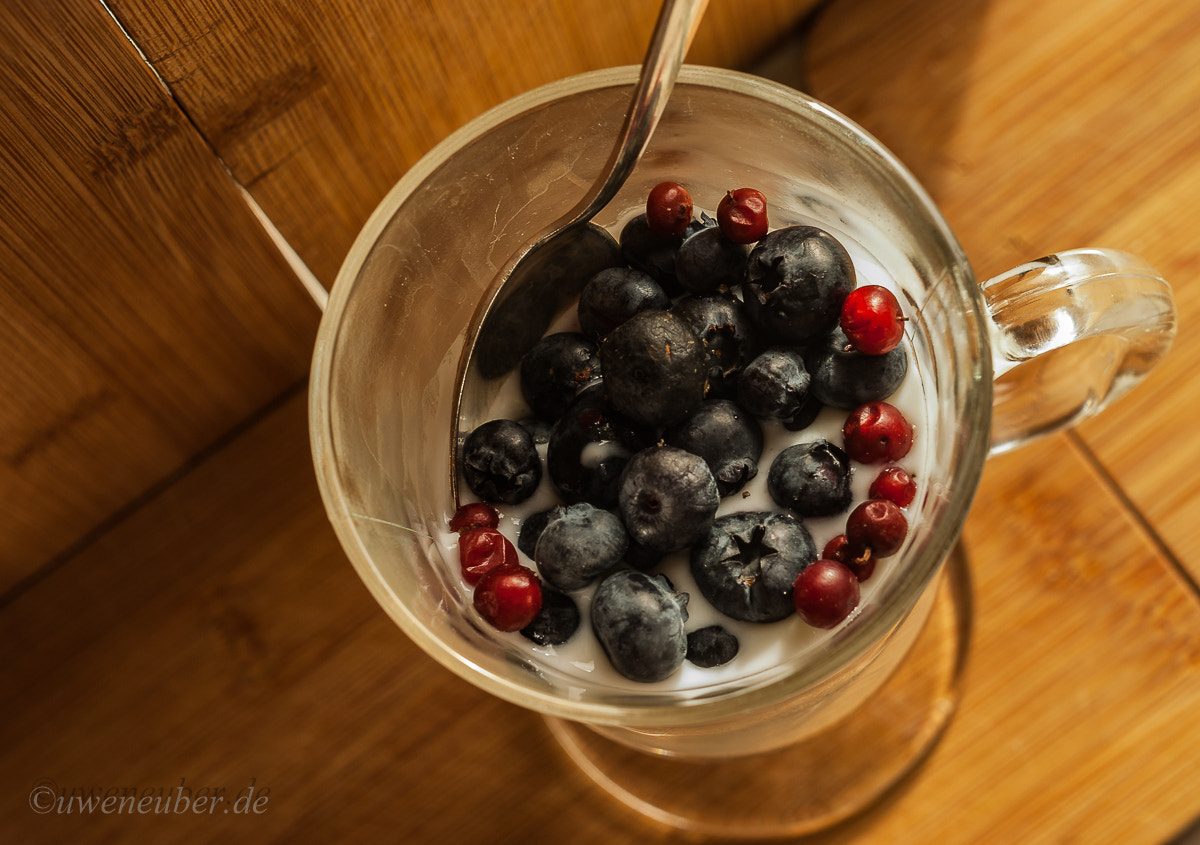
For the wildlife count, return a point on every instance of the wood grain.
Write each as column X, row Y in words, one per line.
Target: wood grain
column 143, row 311
column 319, row 109
column 1039, row 128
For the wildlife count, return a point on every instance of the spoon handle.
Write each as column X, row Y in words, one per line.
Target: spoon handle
column 677, row 23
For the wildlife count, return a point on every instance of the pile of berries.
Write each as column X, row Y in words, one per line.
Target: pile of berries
column 653, row 412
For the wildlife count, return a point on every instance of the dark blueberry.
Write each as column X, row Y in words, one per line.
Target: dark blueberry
column 728, row 439
column 667, row 499
column 807, row 414
column 711, row 646
column 652, row 254
column 638, row 619
column 796, row 281
column 614, row 295
column 531, row 528
column 555, row 369
column 538, row 428
column 774, row 386
column 812, row 479
column 500, row 462
column 643, row 558
column 720, row 321
column 588, row 448
column 556, row 622
column 578, row 545
column 844, row 378
column 708, row 261
column 748, row 561
column 655, row 368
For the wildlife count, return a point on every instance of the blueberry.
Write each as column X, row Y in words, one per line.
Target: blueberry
column 708, row 261
column 538, row 428
column 500, row 462
column 638, row 619
column 531, row 528
column 720, row 321
column 578, row 545
column 796, row 281
column 711, row 646
column 844, row 378
column 806, row 415
column 748, row 561
column 667, row 499
column 728, row 439
column 556, row 622
column 812, row 479
column 555, row 369
column 614, row 295
column 655, row 368
column 588, row 449
column 774, row 385
column 653, row 254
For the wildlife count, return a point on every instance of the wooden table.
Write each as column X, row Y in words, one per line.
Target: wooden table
column 215, row 636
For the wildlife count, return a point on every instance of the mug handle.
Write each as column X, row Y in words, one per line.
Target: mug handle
column 1071, row 333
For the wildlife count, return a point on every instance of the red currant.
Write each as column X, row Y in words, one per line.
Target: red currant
column 481, row 549
column 876, row 526
column 508, row 597
column 742, row 215
column 474, row 515
column 835, row 549
column 838, row 549
column 877, row 432
column 872, row 320
column 825, row 593
column 668, row 209
column 894, row 484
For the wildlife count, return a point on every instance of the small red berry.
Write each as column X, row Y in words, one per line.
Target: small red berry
column 877, row 432
column 872, row 320
column 838, row 549
column 825, row 593
column 481, row 549
column 474, row 515
column 668, row 209
column 877, row 526
column 508, row 597
column 742, row 216
column 835, row 549
column 894, row 484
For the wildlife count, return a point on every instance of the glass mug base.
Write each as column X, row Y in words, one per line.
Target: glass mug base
column 813, row 784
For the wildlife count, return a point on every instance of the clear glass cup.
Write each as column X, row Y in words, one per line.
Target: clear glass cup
column 1024, row 354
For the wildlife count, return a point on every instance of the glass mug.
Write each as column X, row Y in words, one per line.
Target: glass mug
column 1029, row 352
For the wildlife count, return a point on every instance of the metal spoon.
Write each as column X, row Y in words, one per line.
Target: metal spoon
column 548, row 272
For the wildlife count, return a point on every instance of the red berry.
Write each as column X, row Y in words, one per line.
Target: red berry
column 877, row 526
column 481, row 549
column 474, row 515
column 877, row 432
column 838, row 549
column 872, row 320
column 508, row 597
column 835, row 549
column 742, row 215
column 894, row 484
column 824, row 593
column 668, row 209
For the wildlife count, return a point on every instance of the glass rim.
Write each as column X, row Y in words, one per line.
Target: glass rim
column 656, row 708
